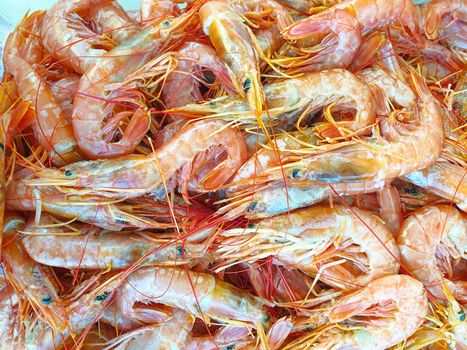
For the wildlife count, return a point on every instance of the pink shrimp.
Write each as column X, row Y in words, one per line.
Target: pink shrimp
column 382, row 314
column 318, row 243
column 348, row 21
column 135, row 175
column 31, row 279
column 92, row 105
column 181, row 86
column 66, row 36
column 432, row 241
column 200, row 294
column 22, row 58
column 93, row 210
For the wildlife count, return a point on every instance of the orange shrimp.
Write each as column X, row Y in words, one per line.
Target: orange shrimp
column 390, row 208
column 382, row 314
column 432, row 242
column 23, row 55
column 182, row 86
column 231, row 38
column 92, row 210
column 437, row 13
column 292, row 96
column 403, row 149
column 200, row 294
column 135, row 175
column 66, row 36
column 347, row 22
column 444, row 179
column 319, row 242
column 29, row 278
column 176, row 332
column 97, row 249
column 92, row 104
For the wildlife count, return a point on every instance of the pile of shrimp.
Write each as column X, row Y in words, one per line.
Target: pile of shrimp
column 235, row 174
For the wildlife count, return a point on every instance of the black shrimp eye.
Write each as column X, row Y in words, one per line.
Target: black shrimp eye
column 1, row 147
column 295, row 172
column 166, row 23
column 47, row 300
column 68, row 172
column 461, row 315
column 102, row 297
column 246, row 85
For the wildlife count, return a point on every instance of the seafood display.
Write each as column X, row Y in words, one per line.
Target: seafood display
column 235, row 174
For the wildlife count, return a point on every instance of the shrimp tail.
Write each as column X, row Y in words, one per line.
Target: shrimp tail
column 137, row 128
column 370, row 46
column 219, row 175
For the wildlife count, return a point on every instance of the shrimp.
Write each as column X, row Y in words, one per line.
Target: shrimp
column 152, row 9
column 63, row 91
column 92, row 210
column 444, row 179
column 319, row 242
column 432, row 242
column 66, row 36
column 91, row 105
column 232, row 40
column 397, row 154
column 23, row 55
column 347, row 22
column 390, row 208
column 438, row 12
column 176, row 332
column 29, row 278
column 382, row 314
column 278, row 198
column 98, row 249
column 199, row 294
column 135, row 175
column 292, row 96
column 182, row 87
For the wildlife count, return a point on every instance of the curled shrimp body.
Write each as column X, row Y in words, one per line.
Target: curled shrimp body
column 444, row 179
column 182, row 86
column 432, row 241
column 135, row 175
column 318, row 243
column 347, row 22
column 197, row 293
column 22, row 59
column 384, row 313
column 446, row 19
column 309, row 92
column 66, row 36
column 97, row 249
column 403, row 149
column 176, row 333
column 29, row 278
column 92, row 105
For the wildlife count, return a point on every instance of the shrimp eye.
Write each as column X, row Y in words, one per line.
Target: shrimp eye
column 121, row 221
column 253, row 205
column 462, row 315
column 295, row 172
column 102, row 296
column 246, row 85
column 47, row 300
column 229, row 347
column 179, row 250
column 251, row 225
column 68, row 172
column 2, row 147
column 166, row 23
